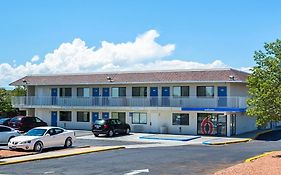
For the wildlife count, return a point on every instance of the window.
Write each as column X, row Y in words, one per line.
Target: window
column 139, row 118
column 83, row 116
column 65, row 92
column 65, row 115
column 58, row 130
column 83, row 92
column 4, row 129
column 29, row 120
column 139, row 91
column 205, row 91
column 181, row 91
column 38, row 120
column 119, row 115
column 180, row 119
column 118, row 92
column 211, row 124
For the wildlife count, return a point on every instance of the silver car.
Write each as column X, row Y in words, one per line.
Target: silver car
column 7, row 133
column 43, row 137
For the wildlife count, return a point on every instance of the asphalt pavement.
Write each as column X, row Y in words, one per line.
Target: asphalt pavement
column 188, row 159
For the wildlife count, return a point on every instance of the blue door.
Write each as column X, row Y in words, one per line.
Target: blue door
column 222, row 96
column 165, row 96
column 96, row 94
column 105, row 115
column 95, row 116
column 105, row 92
column 54, row 118
column 105, row 95
column 153, row 96
column 54, row 94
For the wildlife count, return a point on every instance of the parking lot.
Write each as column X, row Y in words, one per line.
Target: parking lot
column 156, row 156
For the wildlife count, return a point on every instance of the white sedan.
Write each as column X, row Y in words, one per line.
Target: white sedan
column 7, row 133
column 43, row 137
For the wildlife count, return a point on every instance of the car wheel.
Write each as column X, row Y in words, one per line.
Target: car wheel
column 128, row 131
column 110, row 133
column 38, row 147
column 68, row 142
column 96, row 135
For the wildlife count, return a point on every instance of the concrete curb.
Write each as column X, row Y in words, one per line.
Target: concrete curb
column 227, row 142
column 238, row 141
column 59, row 156
column 257, row 157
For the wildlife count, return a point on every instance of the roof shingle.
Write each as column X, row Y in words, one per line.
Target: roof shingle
column 206, row 75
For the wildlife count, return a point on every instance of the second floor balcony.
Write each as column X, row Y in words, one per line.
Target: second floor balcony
column 183, row 102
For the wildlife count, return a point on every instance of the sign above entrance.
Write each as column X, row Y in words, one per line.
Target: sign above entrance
column 215, row 109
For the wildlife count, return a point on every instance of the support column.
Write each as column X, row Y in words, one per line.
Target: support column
column 228, row 126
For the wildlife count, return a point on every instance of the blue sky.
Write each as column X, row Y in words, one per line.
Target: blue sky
column 200, row 31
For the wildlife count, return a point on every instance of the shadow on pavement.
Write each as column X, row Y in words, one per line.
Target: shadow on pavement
column 115, row 136
column 270, row 136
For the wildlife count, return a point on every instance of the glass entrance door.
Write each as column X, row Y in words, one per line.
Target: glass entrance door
column 211, row 124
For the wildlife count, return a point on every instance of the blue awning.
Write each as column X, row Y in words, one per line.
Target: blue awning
column 216, row 109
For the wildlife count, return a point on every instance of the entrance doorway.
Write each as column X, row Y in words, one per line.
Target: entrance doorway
column 154, row 128
column 211, row 124
column 119, row 115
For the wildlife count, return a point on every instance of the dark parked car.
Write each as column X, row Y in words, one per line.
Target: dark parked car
column 5, row 121
column 110, row 127
column 25, row 123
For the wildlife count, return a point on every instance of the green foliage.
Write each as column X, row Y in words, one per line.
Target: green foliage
column 6, row 108
column 265, row 85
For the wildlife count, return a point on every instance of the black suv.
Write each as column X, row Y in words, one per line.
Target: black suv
column 25, row 123
column 110, row 127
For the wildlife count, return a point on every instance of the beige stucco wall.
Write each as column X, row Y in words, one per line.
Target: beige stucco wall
column 238, row 89
column 245, row 123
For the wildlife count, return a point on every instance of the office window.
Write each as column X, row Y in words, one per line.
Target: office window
column 118, row 92
column 139, row 118
column 83, row 116
column 205, row 91
column 139, row 91
column 83, row 92
column 181, row 91
column 65, row 92
column 119, row 115
column 65, row 115
column 180, row 119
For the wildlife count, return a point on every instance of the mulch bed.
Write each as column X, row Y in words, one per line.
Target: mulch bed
column 13, row 153
column 267, row 165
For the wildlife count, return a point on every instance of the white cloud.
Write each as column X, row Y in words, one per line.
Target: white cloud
column 144, row 53
column 35, row 58
column 246, row 69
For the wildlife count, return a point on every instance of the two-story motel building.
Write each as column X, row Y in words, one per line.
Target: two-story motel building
column 208, row 102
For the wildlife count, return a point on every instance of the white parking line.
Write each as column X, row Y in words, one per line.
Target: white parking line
column 133, row 172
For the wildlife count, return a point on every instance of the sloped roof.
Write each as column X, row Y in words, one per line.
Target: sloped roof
column 206, row 75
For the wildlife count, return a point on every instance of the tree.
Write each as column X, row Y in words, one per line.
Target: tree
column 265, row 85
column 6, row 108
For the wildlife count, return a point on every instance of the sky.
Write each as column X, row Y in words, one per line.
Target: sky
column 67, row 36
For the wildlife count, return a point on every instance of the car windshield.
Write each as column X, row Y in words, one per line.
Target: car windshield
column 15, row 119
column 3, row 120
column 99, row 122
column 36, row 132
